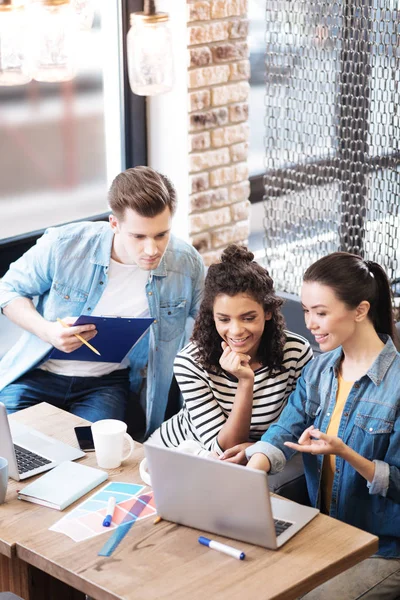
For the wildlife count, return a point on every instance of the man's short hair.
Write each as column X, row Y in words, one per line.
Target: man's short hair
column 143, row 190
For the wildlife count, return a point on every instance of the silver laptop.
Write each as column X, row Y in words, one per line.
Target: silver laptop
column 222, row 498
column 28, row 451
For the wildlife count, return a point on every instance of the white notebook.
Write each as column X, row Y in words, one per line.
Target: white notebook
column 63, row 485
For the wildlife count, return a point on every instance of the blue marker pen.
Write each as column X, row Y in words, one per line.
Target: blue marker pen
column 110, row 511
column 222, row 548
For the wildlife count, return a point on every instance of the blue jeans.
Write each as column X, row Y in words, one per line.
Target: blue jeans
column 92, row 398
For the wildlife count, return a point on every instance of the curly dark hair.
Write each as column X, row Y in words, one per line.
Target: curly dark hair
column 238, row 273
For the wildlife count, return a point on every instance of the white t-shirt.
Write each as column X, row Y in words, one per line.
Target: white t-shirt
column 124, row 296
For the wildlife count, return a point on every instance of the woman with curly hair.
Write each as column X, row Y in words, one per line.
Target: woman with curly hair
column 240, row 366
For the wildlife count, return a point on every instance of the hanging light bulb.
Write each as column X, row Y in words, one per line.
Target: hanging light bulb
column 84, row 10
column 15, row 68
column 150, row 66
column 53, row 38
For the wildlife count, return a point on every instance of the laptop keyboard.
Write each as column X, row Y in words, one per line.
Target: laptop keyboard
column 27, row 460
column 281, row 526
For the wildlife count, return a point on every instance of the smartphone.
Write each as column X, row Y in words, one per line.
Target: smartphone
column 85, row 438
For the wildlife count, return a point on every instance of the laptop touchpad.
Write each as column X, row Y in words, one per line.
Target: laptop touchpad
column 48, row 447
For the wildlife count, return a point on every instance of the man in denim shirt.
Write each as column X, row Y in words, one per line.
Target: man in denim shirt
column 129, row 267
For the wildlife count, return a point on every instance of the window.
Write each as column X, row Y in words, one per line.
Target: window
column 256, row 14
column 332, row 135
column 61, row 144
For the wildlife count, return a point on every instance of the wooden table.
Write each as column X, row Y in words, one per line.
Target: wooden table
column 161, row 561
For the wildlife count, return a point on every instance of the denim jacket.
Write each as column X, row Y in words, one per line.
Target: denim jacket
column 67, row 270
column 370, row 424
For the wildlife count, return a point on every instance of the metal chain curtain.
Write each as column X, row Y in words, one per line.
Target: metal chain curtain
column 332, row 118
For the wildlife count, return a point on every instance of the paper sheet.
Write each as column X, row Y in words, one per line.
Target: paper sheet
column 86, row 520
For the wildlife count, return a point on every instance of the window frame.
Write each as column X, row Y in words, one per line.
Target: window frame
column 134, row 135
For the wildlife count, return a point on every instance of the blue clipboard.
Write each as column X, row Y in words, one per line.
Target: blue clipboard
column 115, row 337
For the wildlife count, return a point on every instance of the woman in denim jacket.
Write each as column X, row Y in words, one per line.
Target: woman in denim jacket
column 344, row 417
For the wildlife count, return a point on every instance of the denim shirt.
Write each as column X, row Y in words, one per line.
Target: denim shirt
column 370, row 425
column 67, row 270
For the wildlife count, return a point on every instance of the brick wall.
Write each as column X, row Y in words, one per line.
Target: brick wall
column 218, row 76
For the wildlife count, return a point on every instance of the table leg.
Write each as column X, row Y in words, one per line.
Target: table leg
column 14, row 576
column 44, row 587
column 33, row 584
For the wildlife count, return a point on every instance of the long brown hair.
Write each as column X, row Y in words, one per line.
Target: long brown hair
column 353, row 280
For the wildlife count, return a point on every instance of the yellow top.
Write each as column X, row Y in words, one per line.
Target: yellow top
column 329, row 463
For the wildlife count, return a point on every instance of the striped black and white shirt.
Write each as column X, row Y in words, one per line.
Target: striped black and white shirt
column 208, row 398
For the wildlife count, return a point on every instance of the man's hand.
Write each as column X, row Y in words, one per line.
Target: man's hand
column 313, row 441
column 236, row 454
column 63, row 338
column 235, row 363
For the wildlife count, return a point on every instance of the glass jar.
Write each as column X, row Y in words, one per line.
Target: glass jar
column 84, row 10
column 150, row 64
column 15, row 66
column 55, row 28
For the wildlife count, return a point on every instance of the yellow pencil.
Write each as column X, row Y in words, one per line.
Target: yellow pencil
column 157, row 520
column 80, row 338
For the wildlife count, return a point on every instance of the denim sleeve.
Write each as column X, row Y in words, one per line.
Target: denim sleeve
column 380, row 482
column 386, row 481
column 30, row 275
column 198, row 286
column 393, row 491
column 275, row 456
column 392, row 458
column 289, row 427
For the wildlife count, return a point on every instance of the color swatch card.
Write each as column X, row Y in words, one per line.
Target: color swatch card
column 86, row 520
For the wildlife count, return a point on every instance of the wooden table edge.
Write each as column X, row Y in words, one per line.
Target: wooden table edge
column 366, row 551
column 76, row 581
column 8, row 550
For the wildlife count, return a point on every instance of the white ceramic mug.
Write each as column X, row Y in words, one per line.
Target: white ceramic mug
column 3, row 479
column 108, row 438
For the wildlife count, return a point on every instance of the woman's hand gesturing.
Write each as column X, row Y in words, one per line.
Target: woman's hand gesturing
column 313, row 441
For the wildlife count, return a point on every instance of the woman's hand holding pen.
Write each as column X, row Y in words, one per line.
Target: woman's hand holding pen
column 313, row 441
column 235, row 363
column 64, row 338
